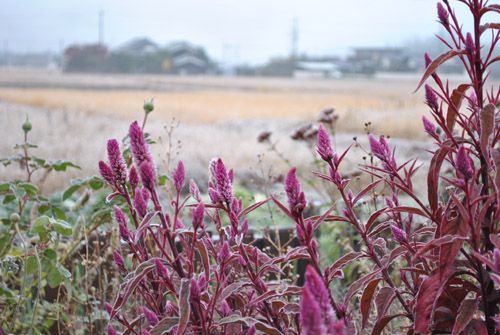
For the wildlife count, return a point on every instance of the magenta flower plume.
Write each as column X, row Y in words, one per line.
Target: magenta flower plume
column 111, row 330
column 148, row 176
column 380, row 148
column 116, row 162
column 140, row 203
column 161, row 269
column 252, row 330
column 427, row 60
column 429, row 127
column 442, row 14
column 470, row 46
column 106, row 173
column 296, row 198
column 194, row 190
column 324, row 145
column 138, row 144
column 224, row 253
column 223, row 181
column 310, row 314
column 399, row 234
column 133, row 177
column 122, row 223
column 316, row 312
column 431, row 98
column 179, row 176
column 198, row 214
column 150, row 316
column 496, row 260
column 463, row 163
column 118, row 259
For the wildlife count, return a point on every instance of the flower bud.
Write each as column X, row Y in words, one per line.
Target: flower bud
column 27, row 126
column 224, row 253
column 148, row 106
column 399, row 234
column 198, row 215
column 442, row 15
column 116, row 162
column 133, row 178
column 324, row 145
column 296, row 198
column 111, row 330
column 429, row 127
column 140, row 204
column 138, row 145
column 106, row 173
column 431, row 98
column 470, row 45
column 179, row 176
column 14, row 218
column 161, row 269
column 118, row 259
column 463, row 163
column 148, row 176
column 150, row 316
column 194, row 291
column 194, row 190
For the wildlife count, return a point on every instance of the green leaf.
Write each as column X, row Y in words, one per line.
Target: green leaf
column 162, row 180
column 30, row 189
column 54, row 277
column 70, row 190
column 59, row 213
column 31, row 265
column 50, row 254
column 63, row 165
column 40, row 225
column 96, row 183
column 8, row 199
column 4, row 187
column 62, row 227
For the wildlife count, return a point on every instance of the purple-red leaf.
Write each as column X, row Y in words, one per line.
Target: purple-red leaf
column 366, row 301
column 466, row 312
column 436, row 63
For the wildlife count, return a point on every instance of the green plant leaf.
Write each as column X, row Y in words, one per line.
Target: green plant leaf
column 31, row 265
column 62, row 227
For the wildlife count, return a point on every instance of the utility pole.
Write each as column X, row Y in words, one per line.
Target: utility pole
column 101, row 27
column 294, row 52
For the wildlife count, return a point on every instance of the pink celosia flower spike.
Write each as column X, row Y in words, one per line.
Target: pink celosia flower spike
column 106, row 173
column 179, row 176
column 148, row 176
column 442, row 14
column 296, row 198
column 463, row 163
column 316, row 312
column 138, row 144
column 223, row 181
column 116, row 162
column 310, row 314
column 431, row 98
column 324, row 145
column 429, row 127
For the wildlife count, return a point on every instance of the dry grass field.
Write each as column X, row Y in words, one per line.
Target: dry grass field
column 73, row 115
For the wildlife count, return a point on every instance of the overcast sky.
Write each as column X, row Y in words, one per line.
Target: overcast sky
column 231, row 30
